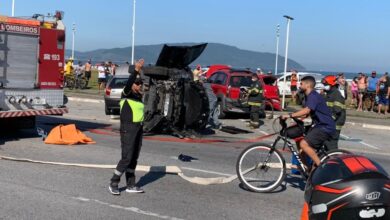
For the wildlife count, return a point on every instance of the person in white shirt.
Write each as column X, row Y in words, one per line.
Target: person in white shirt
column 101, row 77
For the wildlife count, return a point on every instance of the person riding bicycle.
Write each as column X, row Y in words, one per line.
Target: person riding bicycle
column 323, row 124
column 336, row 102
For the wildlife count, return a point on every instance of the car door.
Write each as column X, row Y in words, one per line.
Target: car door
column 218, row 81
column 235, row 83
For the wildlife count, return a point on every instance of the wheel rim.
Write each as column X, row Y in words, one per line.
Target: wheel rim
column 260, row 178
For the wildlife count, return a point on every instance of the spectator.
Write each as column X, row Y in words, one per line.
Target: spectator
column 269, row 73
column 383, row 93
column 362, row 86
column 197, row 72
column 371, row 89
column 78, row 70
column 68, row 70
column 112, row 69
column 294, row 83
column 107, row 71
column 342, row 85
column 354, row 91
column 87, row 71
column 259, row 71
column 101, row 77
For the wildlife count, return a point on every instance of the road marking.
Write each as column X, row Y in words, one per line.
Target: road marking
column 206, row 171
column 263, row 132
column 361, row 142
column 131, row 209
column 85, row 100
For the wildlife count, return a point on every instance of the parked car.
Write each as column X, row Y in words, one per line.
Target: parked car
column 271, row 90
column 113, row 92
column 226, row 84
column 300, row 75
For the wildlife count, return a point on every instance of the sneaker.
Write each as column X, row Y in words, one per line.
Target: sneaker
column 134, row 189
column 114, row 190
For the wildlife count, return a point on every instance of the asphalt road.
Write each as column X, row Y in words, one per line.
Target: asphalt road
column 38, row 191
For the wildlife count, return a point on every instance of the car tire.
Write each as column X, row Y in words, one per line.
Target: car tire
column 108, row 112
column 220, row 110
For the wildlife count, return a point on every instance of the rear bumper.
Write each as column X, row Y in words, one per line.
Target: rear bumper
column 112, row 103
column 32, row 112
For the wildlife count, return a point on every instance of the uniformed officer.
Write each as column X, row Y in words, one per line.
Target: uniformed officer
column 255, row 101
column 131, row 122
column 336, row 102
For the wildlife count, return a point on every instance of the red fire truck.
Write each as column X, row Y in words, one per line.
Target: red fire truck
column 31, row 69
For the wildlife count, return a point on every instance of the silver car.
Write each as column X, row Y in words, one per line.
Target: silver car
column 114, row 90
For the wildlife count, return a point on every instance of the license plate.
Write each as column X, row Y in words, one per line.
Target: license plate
column 39, row 102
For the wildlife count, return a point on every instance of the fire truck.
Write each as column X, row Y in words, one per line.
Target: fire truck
column 31, row 69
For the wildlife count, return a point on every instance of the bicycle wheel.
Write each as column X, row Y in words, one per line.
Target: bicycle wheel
column 261, row 168
column 331, row 153
column 82, row 83
column 70, row 83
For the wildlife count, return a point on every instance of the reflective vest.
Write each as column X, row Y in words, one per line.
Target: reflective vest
column 136, row 107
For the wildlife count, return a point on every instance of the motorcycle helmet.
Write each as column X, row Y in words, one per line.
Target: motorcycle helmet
column 347, row 187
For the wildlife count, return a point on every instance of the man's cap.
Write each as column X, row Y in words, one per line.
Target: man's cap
column 373, row 72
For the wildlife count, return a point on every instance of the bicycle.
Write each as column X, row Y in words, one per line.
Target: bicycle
column 75, row 82
column 267, row 163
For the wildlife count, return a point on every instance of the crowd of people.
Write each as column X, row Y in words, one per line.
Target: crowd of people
column 369, row 91
column 106, row 70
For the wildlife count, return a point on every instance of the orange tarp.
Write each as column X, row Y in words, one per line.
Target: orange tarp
column 67, row 135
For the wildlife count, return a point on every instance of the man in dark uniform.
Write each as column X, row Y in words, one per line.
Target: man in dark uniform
column 255, row 101
column 336, row 102
column 131, row 122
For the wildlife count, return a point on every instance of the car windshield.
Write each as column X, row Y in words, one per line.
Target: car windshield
column 238, row 81
column 117, row 83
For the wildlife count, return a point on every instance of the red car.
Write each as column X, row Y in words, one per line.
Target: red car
column 271, row 90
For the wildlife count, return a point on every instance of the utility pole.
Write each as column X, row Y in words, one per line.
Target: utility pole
column 289, row 19
column 13, row 8
column 73, row 33
column 133, row 35
column 277, row 48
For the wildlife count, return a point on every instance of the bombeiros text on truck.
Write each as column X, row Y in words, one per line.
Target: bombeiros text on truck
column 31, row 68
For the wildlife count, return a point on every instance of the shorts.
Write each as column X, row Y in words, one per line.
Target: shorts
column 88, row 74
column 316, row 137
column 102, row 80
column 371, row 94
column 383, row 100
column 362, row 91
column 355, row 94
column 293, row 88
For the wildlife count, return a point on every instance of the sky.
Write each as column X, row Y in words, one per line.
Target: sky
column 326, row 35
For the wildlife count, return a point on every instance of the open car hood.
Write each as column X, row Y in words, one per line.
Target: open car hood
column 179, row 56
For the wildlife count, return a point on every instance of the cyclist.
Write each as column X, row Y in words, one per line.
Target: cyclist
column 336, row 102
column 323, row 124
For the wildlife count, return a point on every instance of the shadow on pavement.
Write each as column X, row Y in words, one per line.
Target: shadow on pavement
column 149, row 178
column 295, row 181
column 280, row 189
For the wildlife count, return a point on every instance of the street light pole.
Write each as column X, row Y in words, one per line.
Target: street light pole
column 73, row 33
column 277, row 49
column 289, row 19
column 13, row 8
column 133, row 35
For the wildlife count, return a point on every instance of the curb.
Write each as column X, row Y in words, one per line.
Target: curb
column 85, row 100
column 369, row 126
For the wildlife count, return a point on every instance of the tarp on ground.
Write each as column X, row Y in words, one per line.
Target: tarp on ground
column 67, row 135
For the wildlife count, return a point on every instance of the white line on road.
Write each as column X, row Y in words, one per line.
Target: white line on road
column 361, row 142
column 131, row 209
column 85, row 100
column 263, row 132
column 206, row 171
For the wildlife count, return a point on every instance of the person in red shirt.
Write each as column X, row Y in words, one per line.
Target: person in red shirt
column 294, row 83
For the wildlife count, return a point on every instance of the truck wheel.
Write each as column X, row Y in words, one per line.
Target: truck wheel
column 220, row 110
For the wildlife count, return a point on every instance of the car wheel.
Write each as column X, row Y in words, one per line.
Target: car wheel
column 108, row 112
column 220, row 110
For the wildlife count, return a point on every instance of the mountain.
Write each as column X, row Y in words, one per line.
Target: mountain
column 214, row 53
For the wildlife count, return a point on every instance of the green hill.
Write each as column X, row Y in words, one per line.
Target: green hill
column 214, row 54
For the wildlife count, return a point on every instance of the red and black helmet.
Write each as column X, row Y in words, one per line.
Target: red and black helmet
column 347, row 187
column 329, row 80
